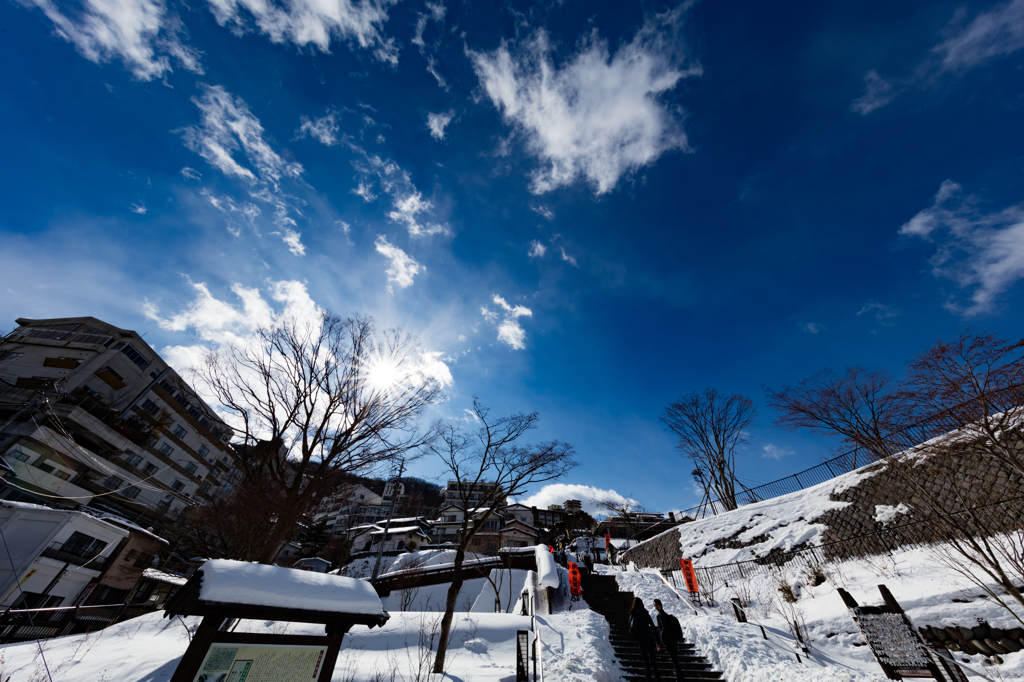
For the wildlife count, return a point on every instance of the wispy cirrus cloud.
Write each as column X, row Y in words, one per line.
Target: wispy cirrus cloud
column 226, row 127
column 436, row 123
column 325, row 129
column 995, row 33
column 571, row 260
column 309, row 23
column 597, row 116
column 409, row 206
column 884, row 314
column 980, row 250
column 140, row 33
column 507, row 320
column 812, row 327
column 537, row 249
column 772, row 451
column 402, row 267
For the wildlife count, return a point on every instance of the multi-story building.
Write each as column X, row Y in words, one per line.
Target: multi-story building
column 91, row 415
column 469, row 495
column 353, row 506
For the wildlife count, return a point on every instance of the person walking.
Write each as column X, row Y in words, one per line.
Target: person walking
column 642, row 627
column 670, row 634
column 588, row 561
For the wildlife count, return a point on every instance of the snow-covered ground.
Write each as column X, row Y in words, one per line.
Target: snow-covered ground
column 836, row 651
column 147, row 649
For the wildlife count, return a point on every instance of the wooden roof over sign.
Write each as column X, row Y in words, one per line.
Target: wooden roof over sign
column 235, row 589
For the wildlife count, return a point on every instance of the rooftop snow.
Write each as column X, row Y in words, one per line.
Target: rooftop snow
column 161, row 577
column 238, row 582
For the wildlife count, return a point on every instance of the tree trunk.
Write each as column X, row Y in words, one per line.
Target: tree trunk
column 449, row 606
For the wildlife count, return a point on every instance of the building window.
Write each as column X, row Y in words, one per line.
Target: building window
column 204, row 451
column 135, row 356
column 129, row 554
column 168, row 386
column 131, row 493
column 143, row 561
column 132, row 460
column 83, row 545
column 149, row 407
column 149, row 468
column 178, row 431
column 113, row 482
column 177, row 485
column 162, row 507
column 165, row 449
column 20, row 456
column 204, row 486
column 12, row 357
column 190, row 467
column 62, row 475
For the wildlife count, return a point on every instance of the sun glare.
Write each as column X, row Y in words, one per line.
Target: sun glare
column 382, row 374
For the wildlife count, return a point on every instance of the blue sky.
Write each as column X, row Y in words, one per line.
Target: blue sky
column 580, row 208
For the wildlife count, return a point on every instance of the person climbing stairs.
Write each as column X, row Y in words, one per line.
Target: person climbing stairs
column 602, row 593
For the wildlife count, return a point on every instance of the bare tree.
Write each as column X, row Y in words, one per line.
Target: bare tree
column 315, row 399
column 710, row 427
column 863, row 406
column 629, row 511
column 970, row 389
column 490, row 467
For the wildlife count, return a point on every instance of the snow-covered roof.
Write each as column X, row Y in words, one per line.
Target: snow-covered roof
column 125, row 523
column 402, row 529
column 547, row 571
column 161, row 577
column 237, row 582
column 27, row 505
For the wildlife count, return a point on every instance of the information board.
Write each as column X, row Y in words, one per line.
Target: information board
column 261, row 663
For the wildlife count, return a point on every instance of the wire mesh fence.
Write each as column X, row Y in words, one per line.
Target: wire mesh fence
column 1006, row 516
column 1002, row 408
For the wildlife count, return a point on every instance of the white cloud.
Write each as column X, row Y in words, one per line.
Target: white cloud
column 877, row 93
column 509, row 329
column 979, row 250
column 812, row 327
column 191, row 174
column 220, row 323
column 324, row 129
column 407, row 202
column 775, row 451
column 596, row 117
column 537, row 250
column 543, row 211
column 141, row 33
column 313, row 22
column 139, row 208
column 438, row 122
column 884, row 314
column 995, row 33
column 571, row 260
column 591, row 497
column 227, row 126
column 402, row 267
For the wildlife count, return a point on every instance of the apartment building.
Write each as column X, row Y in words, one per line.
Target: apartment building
column 91, row 415
column 469, row 494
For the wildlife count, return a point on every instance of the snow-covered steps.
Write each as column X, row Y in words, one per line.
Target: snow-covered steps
column 602, row 594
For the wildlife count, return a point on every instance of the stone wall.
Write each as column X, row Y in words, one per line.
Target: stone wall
column 961, row 479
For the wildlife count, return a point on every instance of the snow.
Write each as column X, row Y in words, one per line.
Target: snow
column 27, row 505
column 787, row 522
column 885, row 513
column 403, row 529
column 238, row 582
column 547, row 570
column 160, row 576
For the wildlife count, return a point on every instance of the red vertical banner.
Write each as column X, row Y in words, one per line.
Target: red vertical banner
column 688, row 575
column 607, row 543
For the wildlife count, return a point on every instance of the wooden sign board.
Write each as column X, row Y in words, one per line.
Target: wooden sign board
column 896, row 643
column 255, row 663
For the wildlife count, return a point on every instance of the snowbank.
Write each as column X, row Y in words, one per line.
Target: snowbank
column 547, row 569
column 238, row 582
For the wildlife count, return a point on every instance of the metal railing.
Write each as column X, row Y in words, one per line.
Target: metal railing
column 20, row 625
column 60, row 552
column 900, row 440
column 999, row 517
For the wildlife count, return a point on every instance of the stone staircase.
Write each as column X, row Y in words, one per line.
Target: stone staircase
column 602, row 594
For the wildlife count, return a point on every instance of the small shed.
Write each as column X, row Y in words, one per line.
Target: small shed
column 222, row 591
column 314, row 563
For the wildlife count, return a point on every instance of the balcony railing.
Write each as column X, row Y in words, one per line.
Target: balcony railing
column 57, row 551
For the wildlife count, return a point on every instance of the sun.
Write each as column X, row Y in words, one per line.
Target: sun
column 382, row 374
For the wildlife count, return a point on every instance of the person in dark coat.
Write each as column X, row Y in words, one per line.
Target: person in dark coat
column 642, row 627
column 588, row 561
column 670, row 634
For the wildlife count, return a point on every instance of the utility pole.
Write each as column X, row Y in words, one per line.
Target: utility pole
column 387, row 521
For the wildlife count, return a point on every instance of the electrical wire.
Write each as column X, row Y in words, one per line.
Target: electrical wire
column 14, row 572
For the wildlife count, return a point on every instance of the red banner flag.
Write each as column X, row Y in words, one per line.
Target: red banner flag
column 607, row 543
column 688, row 575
